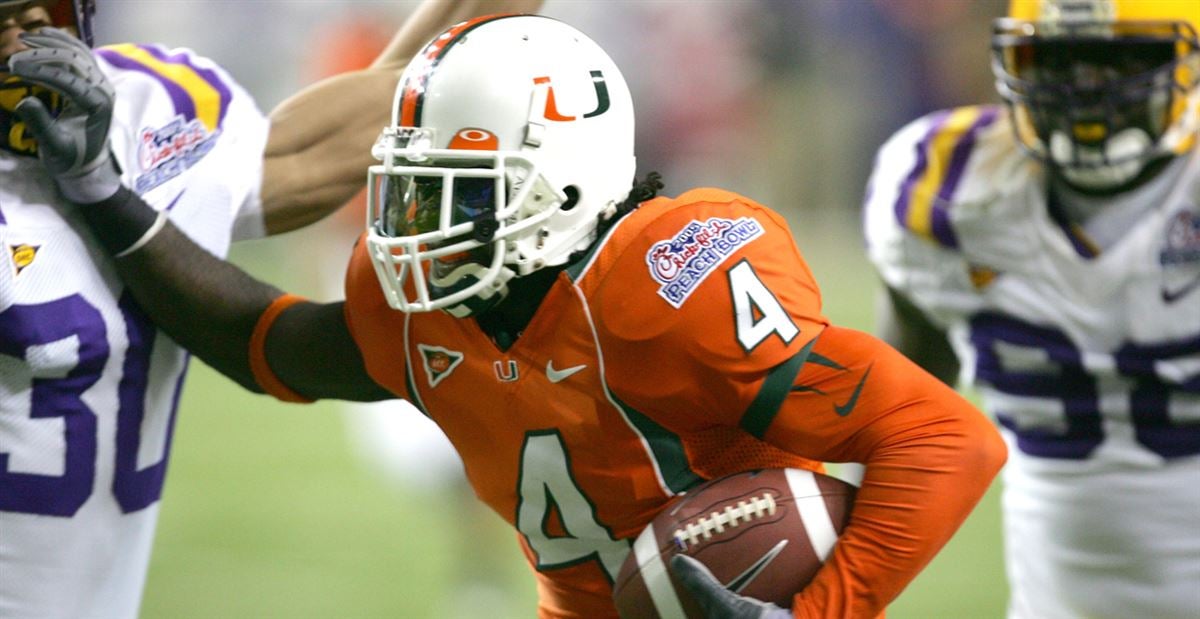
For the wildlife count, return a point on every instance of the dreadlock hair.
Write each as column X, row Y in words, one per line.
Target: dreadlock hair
column 643, row 190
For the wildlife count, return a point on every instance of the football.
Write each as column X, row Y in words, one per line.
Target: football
column 762, row 533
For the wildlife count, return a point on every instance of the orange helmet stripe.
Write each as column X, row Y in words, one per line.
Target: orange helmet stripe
column 414, row 88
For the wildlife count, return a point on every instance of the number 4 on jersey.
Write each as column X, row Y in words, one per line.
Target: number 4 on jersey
column 757, row 311
column 558, row 521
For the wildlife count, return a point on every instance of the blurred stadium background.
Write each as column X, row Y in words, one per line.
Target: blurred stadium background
column 276, row 510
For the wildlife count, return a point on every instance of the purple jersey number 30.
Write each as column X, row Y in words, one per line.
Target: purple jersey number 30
column 23, row 327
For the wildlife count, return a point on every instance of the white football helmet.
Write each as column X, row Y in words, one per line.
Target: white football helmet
column 511, row 140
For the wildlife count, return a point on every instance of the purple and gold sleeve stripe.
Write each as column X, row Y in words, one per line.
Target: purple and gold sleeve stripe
column 197, row 92
column 923, row 204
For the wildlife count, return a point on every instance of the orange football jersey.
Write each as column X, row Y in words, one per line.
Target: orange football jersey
column 662, row 358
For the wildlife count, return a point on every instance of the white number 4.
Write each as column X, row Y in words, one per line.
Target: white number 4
column 758, row 312
column 546, row 485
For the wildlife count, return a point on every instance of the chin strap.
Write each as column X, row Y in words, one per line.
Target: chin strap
column 485, row 299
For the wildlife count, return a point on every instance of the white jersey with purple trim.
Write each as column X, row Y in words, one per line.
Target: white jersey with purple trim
column 88, row 387
column 1089, row 359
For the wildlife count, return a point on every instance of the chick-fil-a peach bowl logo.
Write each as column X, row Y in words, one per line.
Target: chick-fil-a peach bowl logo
column 165, row 152
column 683, row 262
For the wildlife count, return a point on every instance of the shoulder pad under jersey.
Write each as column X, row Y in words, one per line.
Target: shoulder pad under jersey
column 173, row 108
column 938, row 162
column 931, row 180
column 700, row 288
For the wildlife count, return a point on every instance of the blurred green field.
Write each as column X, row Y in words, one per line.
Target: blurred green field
column 268, row 513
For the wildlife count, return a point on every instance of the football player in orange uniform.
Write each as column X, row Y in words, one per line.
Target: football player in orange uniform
column 591, row 350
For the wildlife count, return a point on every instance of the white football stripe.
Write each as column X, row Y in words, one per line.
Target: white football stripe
column 813, row 511
column 654, row 573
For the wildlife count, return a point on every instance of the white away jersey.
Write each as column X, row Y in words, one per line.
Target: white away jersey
column 1089, row 360
column 88, row 387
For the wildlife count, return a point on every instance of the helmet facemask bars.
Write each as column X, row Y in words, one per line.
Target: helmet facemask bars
column 447, row 221
column 511, row 140
column 1099, row 100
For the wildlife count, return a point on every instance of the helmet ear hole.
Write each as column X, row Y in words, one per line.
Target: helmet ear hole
column 572, row 193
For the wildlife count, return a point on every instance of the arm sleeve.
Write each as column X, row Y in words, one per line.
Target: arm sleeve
column 379, row 331
column 708, row 289
column 929, row 454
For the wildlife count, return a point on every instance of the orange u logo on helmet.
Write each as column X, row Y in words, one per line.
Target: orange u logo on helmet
column 551, row 110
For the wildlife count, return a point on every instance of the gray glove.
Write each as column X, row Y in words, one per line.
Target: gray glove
column 716, row 601
column 74, row 145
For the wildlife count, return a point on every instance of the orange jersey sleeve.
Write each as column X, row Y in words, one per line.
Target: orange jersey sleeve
column 930, row 455
column 695, row 300
column 373, row 324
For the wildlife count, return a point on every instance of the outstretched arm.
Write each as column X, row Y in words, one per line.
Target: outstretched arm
column 215, row 310
column 212, row 308
column 319, row 147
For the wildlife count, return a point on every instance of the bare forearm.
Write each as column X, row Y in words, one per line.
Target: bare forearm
column 205, row 304
column 319, row 148
column 434, row 16
column 211, row 310
column 904, row 326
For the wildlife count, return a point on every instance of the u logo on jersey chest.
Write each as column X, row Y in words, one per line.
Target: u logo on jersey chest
column 506, row 371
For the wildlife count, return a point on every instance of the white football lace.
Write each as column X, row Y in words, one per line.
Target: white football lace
column 705, row 526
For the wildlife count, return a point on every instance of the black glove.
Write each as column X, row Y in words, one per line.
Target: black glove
column 715, row 600
column 74, row 145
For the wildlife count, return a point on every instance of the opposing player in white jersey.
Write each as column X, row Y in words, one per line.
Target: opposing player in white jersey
column 88, row 387
column 1051, row 250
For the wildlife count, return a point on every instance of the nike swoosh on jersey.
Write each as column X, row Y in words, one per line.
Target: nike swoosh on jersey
column 845, row 409
column 1171, row 296
column 557, row 376
column 740, row 581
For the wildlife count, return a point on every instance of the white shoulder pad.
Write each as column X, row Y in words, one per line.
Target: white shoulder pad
column 927, row 178
column 178, row 113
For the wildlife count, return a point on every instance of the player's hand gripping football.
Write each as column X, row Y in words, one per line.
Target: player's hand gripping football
column 74, row 144
column 716, row 601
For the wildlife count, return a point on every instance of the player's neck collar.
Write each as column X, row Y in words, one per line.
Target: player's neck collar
column 507, row 321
